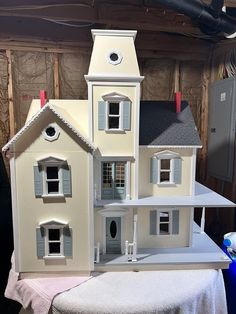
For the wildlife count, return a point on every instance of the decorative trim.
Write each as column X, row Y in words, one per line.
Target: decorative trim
column 170, row 146
column 193, row 172
column 114, row 97
column 135, row 175
column 15, row 217
column 114, row 78
column 113, row 33
column 113, row 212
column 115, row 158
column 166, row 154
column 53, row 223
column 54, row 257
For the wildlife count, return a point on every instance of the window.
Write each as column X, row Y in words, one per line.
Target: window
column 52, row 178
column 114, row 113
column 114, row 57
column 113, row 180
column 51, row 132
column 54, row 239
column 164, row 222
column 166, row 168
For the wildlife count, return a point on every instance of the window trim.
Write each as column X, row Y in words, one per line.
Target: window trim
column 120, row 129
column 170, row 171
column 115, row 98
column 120, row 115
column 47, row 241
column 158, row 222
column 52, row 162
column 163, row 155
column 55, row 136
column 45, row 180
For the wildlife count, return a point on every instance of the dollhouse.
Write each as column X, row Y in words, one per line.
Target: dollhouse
column 108, row 183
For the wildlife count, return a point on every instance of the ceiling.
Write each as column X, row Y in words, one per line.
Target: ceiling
column 160, row 30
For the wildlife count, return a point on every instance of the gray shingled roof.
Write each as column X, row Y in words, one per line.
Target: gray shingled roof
column 161, row 125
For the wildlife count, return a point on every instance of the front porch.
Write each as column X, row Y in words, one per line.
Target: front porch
column 203, row 254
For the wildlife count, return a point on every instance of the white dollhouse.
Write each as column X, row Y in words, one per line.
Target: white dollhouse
column 108, row 183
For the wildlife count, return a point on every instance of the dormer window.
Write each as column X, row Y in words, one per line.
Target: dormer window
column 166, row 168
column 114, row 113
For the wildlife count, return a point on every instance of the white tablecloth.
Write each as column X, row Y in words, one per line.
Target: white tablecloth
column 159, row 292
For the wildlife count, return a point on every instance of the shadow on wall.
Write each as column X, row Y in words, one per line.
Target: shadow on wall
column 6, row 235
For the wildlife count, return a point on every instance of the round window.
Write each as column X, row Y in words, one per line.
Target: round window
column 114, row 57
column 51, row 132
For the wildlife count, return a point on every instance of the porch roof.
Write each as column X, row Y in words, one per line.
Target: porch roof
column 204, row 197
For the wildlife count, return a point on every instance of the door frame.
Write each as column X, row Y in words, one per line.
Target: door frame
column 122, row 244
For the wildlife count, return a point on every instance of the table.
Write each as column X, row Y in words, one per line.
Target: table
column 168, row 292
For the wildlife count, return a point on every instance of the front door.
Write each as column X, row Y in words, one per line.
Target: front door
column 113, row 235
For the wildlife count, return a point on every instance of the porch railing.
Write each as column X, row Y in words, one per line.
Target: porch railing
column 131, row 251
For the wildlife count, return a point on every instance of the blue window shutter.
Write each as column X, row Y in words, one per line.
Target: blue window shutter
column 175, row 221
column 177, row 169
column 153, row 170
column 101, row 115
column 38, row 181
column 126, row 115
column 40, row 241
column 67, row 241
column 66, row 180
column 153, row 222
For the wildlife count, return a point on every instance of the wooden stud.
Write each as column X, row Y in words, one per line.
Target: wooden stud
column 12, row 121
column 204, row 120
column 56, row 76
column 177, row 77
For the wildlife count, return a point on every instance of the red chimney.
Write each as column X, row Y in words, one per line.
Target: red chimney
column 43, row 98
column 178, row 102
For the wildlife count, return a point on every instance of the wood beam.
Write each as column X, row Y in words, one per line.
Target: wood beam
column 56, row 76
column 103, row 12
column 12, row 121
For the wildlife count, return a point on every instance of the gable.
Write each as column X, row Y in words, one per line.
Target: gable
column 40, row 121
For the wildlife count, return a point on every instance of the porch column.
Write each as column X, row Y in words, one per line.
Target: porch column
column 203, row 220
column 134, row 257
